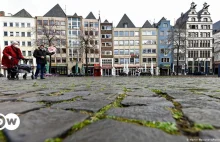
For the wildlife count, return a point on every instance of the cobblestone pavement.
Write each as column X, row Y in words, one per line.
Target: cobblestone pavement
column 112, row 109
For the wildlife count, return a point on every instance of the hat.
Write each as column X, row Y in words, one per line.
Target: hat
column 14, row 42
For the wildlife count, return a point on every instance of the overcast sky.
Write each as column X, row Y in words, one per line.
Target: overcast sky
column 137, row 10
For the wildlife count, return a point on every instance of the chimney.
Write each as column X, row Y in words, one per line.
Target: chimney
column 2, row 13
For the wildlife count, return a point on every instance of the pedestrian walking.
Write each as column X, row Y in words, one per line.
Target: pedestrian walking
column 40, row 55
column 11, row 56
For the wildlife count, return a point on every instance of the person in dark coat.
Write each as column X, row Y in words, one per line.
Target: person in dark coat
column 40, row 55
column 11, row 56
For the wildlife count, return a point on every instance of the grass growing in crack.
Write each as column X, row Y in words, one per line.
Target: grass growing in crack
column 53, row 140
column 165, row 126
column 176, row 113
column 35, row 84
column 126, row 90
column 199, row 127
column 2, row 137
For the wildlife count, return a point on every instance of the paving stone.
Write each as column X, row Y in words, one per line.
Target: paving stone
column 144, row 93
column 210, row 135
column 146, row 101
column 114, row 131
column 18, row 107
column 42, row 124
column 65, row 96
column 203, row 116
column 147, row 113
column 87, row 105
column 197, row 103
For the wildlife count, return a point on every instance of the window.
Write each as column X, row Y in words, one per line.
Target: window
column 121, row 43
column 86, row 24
column 23, row 34
column 136, row 33
column 29, row 43
column 29, row 53
column 131, row 43
column 193, row 19
column 39, row 22
column 136, row 60
column 108, row 36
column 24, row 53
column 136, row 42
column 165, row 60
column 62, row 23
column 131, row 34
column 126, row 52
column 96, row 59
column 6, row 43
column 116, row 42
column 131, row 52
column 28, row 34
column 162, row 51
column 28, row 25
column 153, row 50
column 126, row 42
column 162, row 33
column 148, row 50
column 91, row 24
column 45, row 22
column 16, row 24
column 11, row 33
column 96, row 24
column 23, row 43
column 116, row 33
column 125, row 25
column 144, row 51
column 136, row 51
column 126, row 34
column 144, row 60
column 92, row 60
column 22, row 25
column 205, row 19
column 121, row 52
column 116, row 51
column 131, row 60
column 116, row 60
column 165, row 25
column 5, row 33
column 5, row 24
column 122, row 60
column 11, row 24
column 121, row 33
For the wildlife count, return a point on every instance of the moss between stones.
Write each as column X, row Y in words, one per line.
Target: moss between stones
column 199, row 127
column 54, row 140
column 165, row 126
column 2, row 137
column 176, row 113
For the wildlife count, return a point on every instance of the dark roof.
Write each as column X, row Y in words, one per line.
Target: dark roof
column 22, row 13
column 106, row 21
column 125, row 20
column 162, row 19
column 147, row 25
column 56, row 11
column 90, row 16
column 75, row 14
column 183, row 18
column 216, row 26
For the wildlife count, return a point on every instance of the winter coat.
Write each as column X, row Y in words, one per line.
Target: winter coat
column 38, row 53
column 15, row 53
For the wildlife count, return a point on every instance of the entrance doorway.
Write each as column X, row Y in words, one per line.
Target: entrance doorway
column 107, row 72
column 74, row 69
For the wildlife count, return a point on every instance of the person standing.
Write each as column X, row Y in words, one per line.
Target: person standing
column 11, row 56
column 40, row 55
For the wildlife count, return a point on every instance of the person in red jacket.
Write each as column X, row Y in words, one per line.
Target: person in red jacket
column 11, row 56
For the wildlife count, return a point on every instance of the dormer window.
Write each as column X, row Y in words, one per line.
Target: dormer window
column 125, row 25
column 205, row 19
column 205, row 13
column 193, row 19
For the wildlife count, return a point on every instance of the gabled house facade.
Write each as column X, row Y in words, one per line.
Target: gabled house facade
column 198, row 53
column 52, row 28
column 165, row 55
column 126, row 47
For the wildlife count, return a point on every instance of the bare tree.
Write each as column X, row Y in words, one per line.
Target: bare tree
column 177, row 40
column 88, row 43
column 49, row 34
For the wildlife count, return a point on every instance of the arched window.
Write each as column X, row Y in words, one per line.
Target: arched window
column 205, row 19
column 193, row 19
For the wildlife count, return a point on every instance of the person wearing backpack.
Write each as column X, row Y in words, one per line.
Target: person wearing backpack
column 40, row 55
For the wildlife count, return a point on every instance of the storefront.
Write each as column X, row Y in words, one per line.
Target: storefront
column 61, row 70
column 106, row 70
column 165, row 69
column 97, row 70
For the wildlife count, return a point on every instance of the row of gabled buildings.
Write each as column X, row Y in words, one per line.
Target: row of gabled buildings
column 112, row 48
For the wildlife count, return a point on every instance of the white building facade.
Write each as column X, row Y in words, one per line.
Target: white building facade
column 18, row 27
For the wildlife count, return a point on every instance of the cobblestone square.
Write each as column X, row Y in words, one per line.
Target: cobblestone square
column 112, row 109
